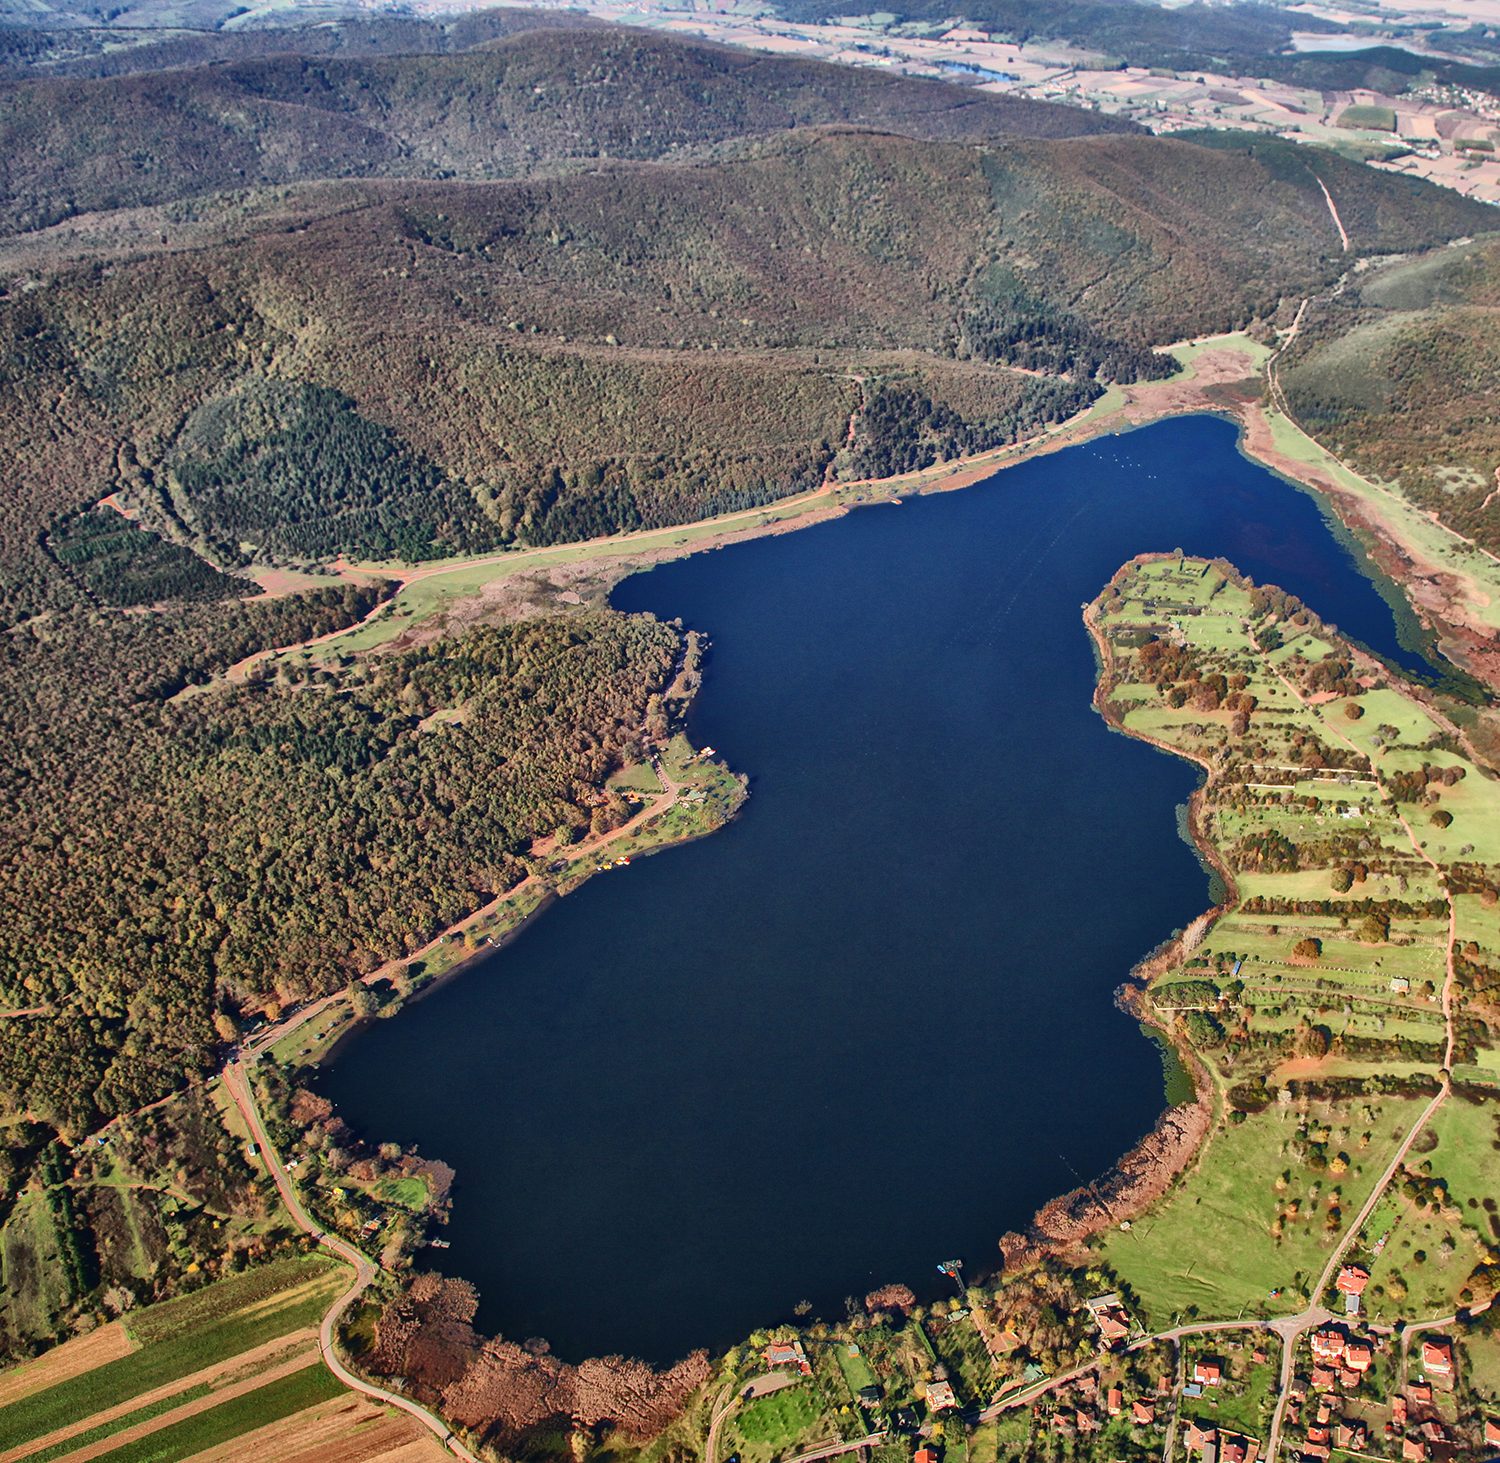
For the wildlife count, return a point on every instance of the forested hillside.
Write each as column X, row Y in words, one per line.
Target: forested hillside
column 785, row 273
column 528, row 103
column 1402, row 380
column 424, row 368
column 160, row 858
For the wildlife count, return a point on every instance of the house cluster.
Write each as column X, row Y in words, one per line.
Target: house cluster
column 1413, row 1417
column 1340, row 1362
column 1079, row 1416
column 1112, row 1319
column 1327, row 1430
column 1219, row 1445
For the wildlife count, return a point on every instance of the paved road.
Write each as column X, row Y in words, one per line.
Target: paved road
column 237, row 1083
column 832, row 1450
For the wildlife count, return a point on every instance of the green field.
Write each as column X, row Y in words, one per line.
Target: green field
column 856, row 1370
column 776, row 1420
column 638, row 778
column 1431, row 1252
column 184, row 1336
column 1369, row 119
column 108, row 1429
column 1209, row 1244
column 300, row 1390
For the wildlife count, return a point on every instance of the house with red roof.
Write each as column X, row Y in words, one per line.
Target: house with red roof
column 1112, row 1401
column 1208, row 1372
column 1328, row 1346
column 940, row 1395
column 1437, row 1357
column 1491, row 1433
column 1233, row 1448
column 1198, row 1438
column 1142, row 1413
column 1352, row 1280
column 1414, row 1449
column 788, row 1353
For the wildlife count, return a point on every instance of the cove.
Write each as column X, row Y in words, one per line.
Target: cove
column 868, row 1026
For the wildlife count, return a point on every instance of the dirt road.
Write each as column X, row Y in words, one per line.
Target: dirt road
column 237, row 1082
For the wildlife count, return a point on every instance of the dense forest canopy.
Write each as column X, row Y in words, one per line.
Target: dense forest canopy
column 414, row 370
column 162, row 855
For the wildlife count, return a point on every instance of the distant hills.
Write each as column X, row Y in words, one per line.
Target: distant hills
column 645, row 343
column 530, row 101
column 536, row 285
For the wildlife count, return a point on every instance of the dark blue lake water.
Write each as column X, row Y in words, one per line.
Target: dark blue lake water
column 867, row 1027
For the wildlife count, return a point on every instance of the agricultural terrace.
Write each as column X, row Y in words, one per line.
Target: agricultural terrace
column 1344, row 809
column 167, row 1381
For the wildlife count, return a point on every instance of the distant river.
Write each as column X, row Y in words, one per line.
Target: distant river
column 867, row 1027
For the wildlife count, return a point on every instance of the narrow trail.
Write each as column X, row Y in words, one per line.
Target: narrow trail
column 1338, row 223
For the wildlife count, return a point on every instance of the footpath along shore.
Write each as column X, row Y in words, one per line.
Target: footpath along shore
column 1228, row 375
column 1211, row 370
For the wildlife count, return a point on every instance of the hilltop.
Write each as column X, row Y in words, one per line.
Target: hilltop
column 644, row 344
column 526, row 103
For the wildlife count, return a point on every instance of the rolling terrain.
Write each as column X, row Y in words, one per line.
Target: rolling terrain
column 472, row 289
column 1402, row 380
column 531, row 101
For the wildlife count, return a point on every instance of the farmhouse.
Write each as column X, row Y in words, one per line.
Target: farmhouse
column 788, row 1353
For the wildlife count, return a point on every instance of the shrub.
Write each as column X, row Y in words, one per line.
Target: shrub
column 1310, row 949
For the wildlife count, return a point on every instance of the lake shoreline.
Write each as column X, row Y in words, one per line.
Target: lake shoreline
column 1184, row 1139
column 1223, row 376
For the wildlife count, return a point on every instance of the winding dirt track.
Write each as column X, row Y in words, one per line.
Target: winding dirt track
column 237, row 1083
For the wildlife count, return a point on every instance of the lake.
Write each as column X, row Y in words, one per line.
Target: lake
column 868, row 1026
